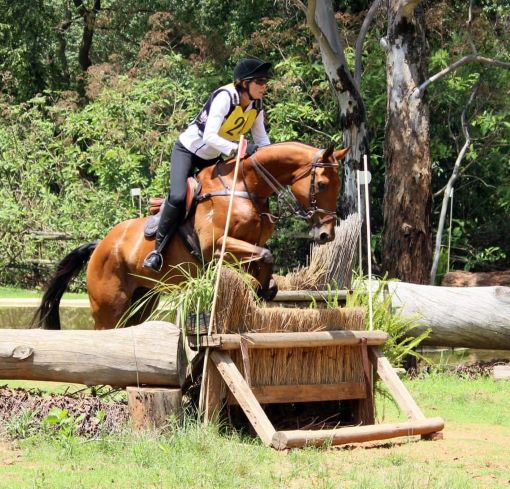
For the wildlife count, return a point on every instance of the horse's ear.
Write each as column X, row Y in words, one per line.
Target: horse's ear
column 328, row 152
column 341, row 153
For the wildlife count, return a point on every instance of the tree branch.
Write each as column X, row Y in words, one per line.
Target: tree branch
column 418, row 92
column 312, row 25
column 361, row 38
column 469, row 22
column 451, row 181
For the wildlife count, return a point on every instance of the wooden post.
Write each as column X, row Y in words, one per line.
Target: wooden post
column 397, row 389
column 214, row 394
column 244, row 396
column 153, row 408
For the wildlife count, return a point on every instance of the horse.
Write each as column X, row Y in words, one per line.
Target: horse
column 115, row 277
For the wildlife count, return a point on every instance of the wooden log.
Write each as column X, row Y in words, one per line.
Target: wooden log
column 293, row 340
column 501, row 372
column 151, row 353
column 300, row 438
column 154, row 407
column 478, row 279
column 471, row 317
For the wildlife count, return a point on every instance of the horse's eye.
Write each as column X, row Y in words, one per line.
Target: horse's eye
column 321, row 186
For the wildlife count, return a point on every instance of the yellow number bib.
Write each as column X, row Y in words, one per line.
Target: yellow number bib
column 237, row 123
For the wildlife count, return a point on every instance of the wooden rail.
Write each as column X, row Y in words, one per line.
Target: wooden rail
column 292, row 340
column 309, row 295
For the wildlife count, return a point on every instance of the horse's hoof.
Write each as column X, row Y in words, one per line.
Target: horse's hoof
column 270, row 292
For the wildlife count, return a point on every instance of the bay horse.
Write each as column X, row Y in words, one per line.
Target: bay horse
column 115, row 274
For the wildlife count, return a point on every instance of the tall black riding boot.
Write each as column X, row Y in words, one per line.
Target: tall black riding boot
column 168, row 222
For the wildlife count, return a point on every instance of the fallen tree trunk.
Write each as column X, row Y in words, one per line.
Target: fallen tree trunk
column 149, row 354
column 472, row 317
column 478, row 279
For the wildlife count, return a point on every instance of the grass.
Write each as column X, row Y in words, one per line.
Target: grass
column 474, row 453
column 17, row 293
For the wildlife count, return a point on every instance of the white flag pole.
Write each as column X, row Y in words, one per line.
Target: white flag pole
column 369, row 248
column 360, row 256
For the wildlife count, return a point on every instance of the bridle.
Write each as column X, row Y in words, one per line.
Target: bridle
column 308, row 213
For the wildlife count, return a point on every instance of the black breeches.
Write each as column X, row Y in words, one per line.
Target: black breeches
column 183, row 164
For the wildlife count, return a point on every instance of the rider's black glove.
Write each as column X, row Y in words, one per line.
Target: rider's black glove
column 251, row 148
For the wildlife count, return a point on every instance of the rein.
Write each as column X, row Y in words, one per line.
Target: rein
column 285, row 197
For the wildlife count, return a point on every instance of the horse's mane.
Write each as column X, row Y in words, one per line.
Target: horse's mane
column 282, row 143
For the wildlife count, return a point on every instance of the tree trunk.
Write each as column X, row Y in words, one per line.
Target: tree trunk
column 151, row 353
column 89, row 25
column 322, row 22
column 406, row 244
column 471, row 317
column 154, row 407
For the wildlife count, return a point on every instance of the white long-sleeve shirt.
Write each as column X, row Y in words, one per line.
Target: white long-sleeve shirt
column 210, row 144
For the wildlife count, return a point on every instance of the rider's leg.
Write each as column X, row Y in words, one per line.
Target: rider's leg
column 173, row 207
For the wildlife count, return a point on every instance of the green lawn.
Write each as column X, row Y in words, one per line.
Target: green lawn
column 474, row 453
column 17, row 293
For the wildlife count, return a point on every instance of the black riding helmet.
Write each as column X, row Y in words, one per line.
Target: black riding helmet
column 250, row 68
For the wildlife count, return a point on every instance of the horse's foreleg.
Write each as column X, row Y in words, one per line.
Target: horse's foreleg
column 259, row 263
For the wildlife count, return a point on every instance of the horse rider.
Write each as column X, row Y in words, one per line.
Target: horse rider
column 230, row 111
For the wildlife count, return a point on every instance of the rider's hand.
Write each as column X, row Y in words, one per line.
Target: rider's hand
column 250, row 149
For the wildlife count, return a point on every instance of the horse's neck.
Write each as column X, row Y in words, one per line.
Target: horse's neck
column 283, row 163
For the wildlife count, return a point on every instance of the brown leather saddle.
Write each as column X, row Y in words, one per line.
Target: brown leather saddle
column 185, row 230
column 193, row 196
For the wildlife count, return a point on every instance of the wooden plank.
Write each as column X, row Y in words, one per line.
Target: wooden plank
column 271, row 394
column 214, row 394
column 308, row 295
column 294, row 340
column 244, row 396
column 397, row 389
column 363, row 409
column 357, row 434
column 246, row 360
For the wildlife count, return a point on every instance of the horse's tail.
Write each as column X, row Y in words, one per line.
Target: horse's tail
column 47, row 315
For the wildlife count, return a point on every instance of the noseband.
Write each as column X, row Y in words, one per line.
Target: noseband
column 308, row 213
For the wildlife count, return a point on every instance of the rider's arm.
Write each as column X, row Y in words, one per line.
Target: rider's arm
column 258, row 131
column 217, row 113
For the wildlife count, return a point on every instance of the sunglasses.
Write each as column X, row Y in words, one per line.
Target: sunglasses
column 260, row 81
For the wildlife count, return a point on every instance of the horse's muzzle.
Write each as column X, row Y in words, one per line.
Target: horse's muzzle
column 322, row 235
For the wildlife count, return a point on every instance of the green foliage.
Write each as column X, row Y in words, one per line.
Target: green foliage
column 60, row 421
column 399, row 343
column 64, row 156
column 22, row 425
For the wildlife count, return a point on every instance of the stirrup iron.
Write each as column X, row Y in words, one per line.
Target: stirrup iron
column 154, row 261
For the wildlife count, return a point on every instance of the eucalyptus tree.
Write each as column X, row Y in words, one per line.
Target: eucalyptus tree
column 321, row 20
